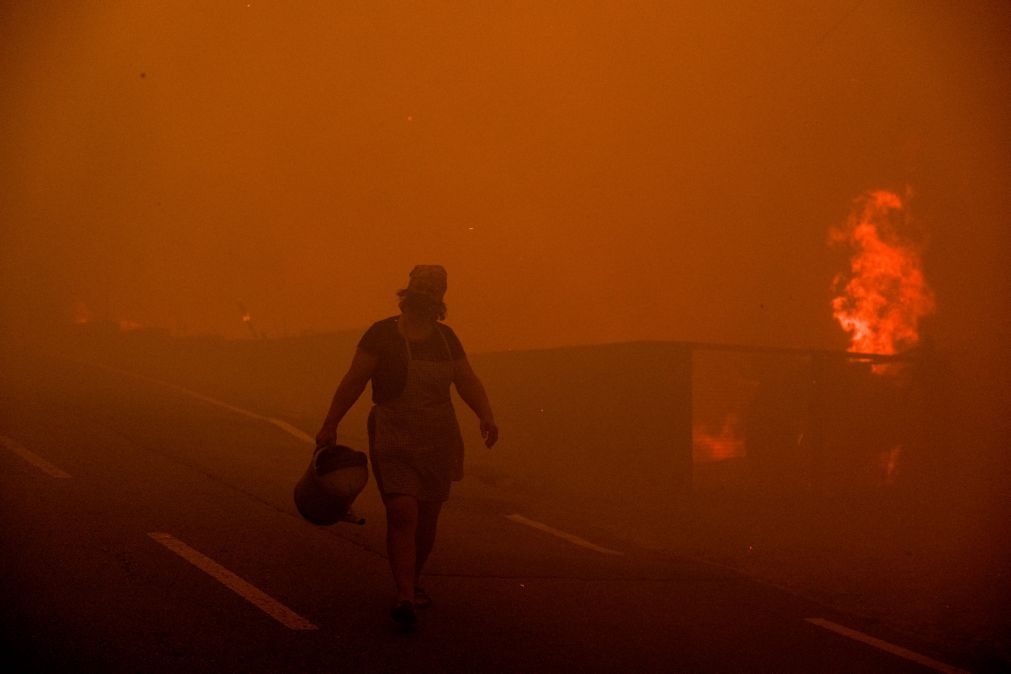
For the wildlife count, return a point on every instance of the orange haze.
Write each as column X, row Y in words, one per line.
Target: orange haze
column 587, row 172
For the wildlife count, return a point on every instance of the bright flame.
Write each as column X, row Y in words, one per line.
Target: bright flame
column 884, row 294
column 726, row 443
column 246, row 317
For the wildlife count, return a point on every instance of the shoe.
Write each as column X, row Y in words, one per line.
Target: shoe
column 421, row 598
column 403, row 614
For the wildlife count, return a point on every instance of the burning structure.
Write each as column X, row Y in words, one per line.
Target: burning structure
column 787, row 419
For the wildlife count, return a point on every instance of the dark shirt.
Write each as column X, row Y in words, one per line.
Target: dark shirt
column 384, row 341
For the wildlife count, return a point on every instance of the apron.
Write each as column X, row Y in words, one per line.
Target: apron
column 416, row 447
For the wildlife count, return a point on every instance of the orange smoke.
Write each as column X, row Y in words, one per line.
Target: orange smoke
column 726, row 443
column 889, row 461
column 883, row 296
column 80, row 314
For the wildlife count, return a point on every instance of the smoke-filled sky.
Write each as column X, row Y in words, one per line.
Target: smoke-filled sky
column 587, row 172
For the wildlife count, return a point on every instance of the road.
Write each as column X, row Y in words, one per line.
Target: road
column 145, row 529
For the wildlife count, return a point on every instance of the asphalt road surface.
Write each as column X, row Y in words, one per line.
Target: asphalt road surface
column 145, row 529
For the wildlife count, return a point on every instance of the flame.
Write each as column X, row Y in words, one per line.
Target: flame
column 726, row 443
column 247, row 318
column 127, row 325
column 883, row 296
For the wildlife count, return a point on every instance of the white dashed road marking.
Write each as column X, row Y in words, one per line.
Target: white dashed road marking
column 250, row 593
column 279, row 423
column 305, row 437
column 292, row 620
column 34, row 459
column 885, row 646
column 565, row 536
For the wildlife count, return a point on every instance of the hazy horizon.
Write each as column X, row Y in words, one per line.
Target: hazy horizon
column 586, row 174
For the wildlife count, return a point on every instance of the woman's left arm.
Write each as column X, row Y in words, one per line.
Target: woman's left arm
column 472, row 391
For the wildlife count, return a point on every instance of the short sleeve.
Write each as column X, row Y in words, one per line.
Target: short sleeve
column 372, row 340
column 455, row 346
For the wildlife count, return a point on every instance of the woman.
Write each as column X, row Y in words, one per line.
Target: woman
column 414, row 439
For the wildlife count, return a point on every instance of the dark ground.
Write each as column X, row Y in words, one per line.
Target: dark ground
column 86, row 588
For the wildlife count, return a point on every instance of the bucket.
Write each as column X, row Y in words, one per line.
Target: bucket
column 334, row 478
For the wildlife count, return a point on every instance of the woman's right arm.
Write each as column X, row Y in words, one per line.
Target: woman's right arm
column 351, row 386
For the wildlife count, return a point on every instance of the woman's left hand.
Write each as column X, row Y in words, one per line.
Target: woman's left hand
column 489, row 431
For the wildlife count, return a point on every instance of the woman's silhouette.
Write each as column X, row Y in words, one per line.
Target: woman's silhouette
column 414, row 440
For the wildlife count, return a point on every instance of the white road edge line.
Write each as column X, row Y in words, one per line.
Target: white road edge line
column 297, row 433
column 34, row 459
column 250, row 593
column 571, row 538
column 885, row 646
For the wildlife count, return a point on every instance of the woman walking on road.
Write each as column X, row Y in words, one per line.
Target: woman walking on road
column 414, row 439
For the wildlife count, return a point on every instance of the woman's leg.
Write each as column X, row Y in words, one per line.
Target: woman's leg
column 428, row 519
column 401, row 542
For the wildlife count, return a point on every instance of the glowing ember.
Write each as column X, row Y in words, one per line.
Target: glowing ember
column 80, row 314
column 890, row 464
column 247, row 318
column 726, row 443
column 883, row 296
